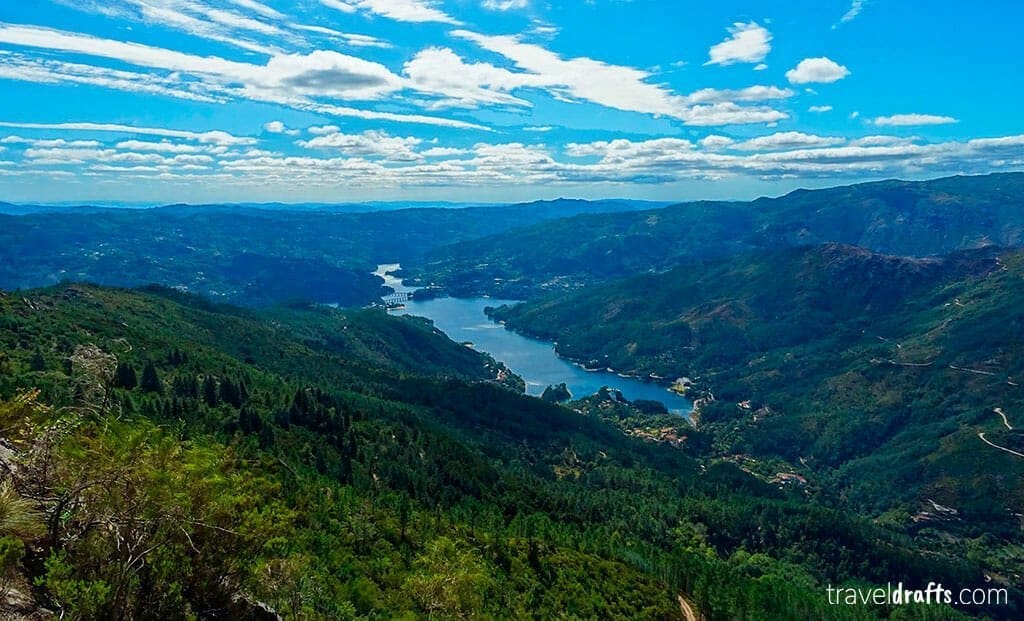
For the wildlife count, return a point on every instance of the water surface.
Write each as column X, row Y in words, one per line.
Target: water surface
column 463, row 319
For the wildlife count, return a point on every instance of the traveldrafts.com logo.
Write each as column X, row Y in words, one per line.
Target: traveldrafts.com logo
column 934, row 593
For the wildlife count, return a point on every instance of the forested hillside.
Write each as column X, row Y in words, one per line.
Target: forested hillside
column 917, row 218
column 872, row 375
column 253, row 256
column 167, row 457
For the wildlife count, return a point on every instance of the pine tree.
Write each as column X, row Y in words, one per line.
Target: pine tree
column 37, row 362
column 210, row 392
column 124, row 376
column 229, row 393
column 151, row 380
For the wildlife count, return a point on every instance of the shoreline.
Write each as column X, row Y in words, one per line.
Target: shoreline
column 651, row 379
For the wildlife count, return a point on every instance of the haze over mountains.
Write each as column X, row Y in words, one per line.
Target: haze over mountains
column 249, row 255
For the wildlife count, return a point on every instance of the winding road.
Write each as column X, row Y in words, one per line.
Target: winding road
column 1001, row 448
column 1000, row 412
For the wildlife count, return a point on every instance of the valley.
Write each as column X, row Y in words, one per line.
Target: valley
column 465, row 320
column 487, row 310
column 850, row 421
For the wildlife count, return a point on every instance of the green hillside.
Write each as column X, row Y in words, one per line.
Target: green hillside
column 918, row 218
column 252, row 256
column 870, row 374
column 171, row 458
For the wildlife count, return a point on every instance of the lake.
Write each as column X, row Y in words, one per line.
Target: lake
column 463, row 319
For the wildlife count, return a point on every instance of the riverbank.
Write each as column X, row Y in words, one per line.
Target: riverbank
column 587, row 366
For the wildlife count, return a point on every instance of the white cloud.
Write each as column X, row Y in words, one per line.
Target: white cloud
column 612, row 86
column 163, row 146
column 322, row 130
column 623, row 150
column 505, row 5
column 380, row 160
column 881, row 141
column 399, row 10
column 368, row 143
column 338, row 5
column 787, row 140
column 442, row 71
column 822, row 70
column 352, row 39
column 374, row 115
column 211, row 137
column 48, row 71
column 748, row 43
column 750, row 93
column 443, row 152
column 295, row 80
column 912, row 119
column 820, row 109
column 729, row 113
column 851, row 14
column 1003, row 142
column 277, row 127
column 714, row 142
column 60, row 142
column 256, row 7
column 199, row 18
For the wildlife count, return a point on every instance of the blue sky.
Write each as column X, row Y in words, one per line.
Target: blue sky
column 498, row 100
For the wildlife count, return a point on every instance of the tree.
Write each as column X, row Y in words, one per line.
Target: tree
column 124, row 376
column 556, row 394
column 229, row 393
column 93, row 371
column 151, row 380
column 37, row 362
column 450, row 581
column 210, row 392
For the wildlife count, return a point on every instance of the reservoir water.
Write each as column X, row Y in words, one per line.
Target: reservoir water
column 463, row 319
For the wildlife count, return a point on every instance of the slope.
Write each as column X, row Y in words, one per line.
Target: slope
column 893, row 217
column 183, row 457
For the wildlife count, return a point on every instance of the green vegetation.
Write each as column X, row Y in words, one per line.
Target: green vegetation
column 869, row 375
column 556, row 394
column 170, row 458
column 247, row 255
column 894, row 217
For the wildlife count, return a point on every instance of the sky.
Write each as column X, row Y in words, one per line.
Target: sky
column 153, row 101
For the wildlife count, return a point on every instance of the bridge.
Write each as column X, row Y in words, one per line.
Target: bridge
column 398, row 297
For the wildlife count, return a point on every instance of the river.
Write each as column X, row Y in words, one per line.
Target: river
column 463, row 319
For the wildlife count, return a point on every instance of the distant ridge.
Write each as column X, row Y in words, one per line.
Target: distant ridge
column 915, row 218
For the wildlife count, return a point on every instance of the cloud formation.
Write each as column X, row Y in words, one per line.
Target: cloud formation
column 822, row 70
column 912, row 119
column 747, row 43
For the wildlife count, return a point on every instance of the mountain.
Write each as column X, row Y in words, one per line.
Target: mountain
column 871, row 375
column 247, row 255
column 561, row 206
column 919, row 218
column 171, row 457
column 22, row 210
